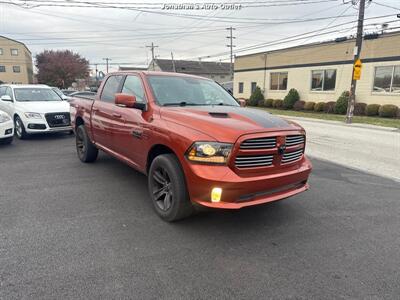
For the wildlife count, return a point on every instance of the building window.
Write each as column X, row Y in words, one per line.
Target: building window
column 14, row 52
column 241, row 87
column 323, row 80
column 2, row 68
column 387, row 79
column 1, row 51
column 279, row 81
column 16, row 69
column 253, row 87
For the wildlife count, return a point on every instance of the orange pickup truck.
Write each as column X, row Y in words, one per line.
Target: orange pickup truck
column 193, row 140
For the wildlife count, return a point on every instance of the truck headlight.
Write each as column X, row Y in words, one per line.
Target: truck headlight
column 33, row 115
column 209, row 152
column 4, row 118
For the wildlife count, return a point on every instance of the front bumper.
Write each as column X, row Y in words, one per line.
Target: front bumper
column 6, row 129
column 238, row 192
column 33, row 126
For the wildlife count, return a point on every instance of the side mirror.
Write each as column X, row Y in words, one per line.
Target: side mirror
column 128, row 101
column 6, row 98
column 242, row 102
column 65, row 98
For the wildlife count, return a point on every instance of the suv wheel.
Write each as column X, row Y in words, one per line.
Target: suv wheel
column 167, row 188
column 19, row 128
column 87, row 152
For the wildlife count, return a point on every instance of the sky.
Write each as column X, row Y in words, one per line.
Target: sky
column 121, row 30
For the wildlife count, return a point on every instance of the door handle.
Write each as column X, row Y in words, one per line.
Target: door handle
column 116, row 115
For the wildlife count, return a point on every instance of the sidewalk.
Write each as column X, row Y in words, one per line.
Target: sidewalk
column 368, row 148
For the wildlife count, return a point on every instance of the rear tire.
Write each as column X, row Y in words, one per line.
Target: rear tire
column 20, row 128
column 6, row 141
column 87, row 152
column 167, row 188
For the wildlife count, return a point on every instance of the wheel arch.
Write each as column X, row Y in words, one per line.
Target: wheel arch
column 155, row 151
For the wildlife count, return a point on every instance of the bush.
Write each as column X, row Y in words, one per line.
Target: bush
column 341, row 103
column 372, row 109
column 290, row 99
column 319, row 106
column 388, row 111
column 277, row 103
column 256, row 97
column 359, row 109
column 261, row 103
column 309, row 105
column 268, row 102
column 299, row 105
column 329, row 107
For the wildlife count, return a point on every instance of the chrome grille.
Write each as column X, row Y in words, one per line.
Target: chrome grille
column 253, row 161
column 259, row 143
column 292, row 140
column 292, row 156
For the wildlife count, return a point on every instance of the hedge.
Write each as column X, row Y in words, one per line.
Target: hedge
column 256, row 97
column 290, row 99
column 329, row 107
column 388, row 111
column 372, row 109
column 342, row 103
column 277, row 103
column 359, row 109
column 299, row 105
column 309, row 105
column 268, row 102
column 319, row 106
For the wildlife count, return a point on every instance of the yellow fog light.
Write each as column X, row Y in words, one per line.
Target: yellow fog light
column 216, row 194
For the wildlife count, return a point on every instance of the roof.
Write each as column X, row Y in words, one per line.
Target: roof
column 26, row 85
column 316, row 44
column 132, row 68
column 158, row 73
column 4, row 37
column 193, row 67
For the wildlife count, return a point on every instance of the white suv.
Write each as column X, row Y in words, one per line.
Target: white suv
column 6, row 128
column 35, row 109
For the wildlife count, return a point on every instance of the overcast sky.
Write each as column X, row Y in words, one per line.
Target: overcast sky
column 122, row 34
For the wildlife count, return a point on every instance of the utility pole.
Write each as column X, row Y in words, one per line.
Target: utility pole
column 152, row 52
column 357, row 52
column 107, row 60
column 231, row 45
column 97, row 78
column 173, row 62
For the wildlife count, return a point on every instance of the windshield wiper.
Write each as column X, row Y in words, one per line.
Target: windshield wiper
column 182, row 103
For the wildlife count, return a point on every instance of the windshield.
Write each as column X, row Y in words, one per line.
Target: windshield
column 175, row 90
column 36, row 94
column 58, row 91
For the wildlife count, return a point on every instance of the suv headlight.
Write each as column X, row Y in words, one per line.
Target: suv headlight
column 4, row 118
column 32, row 115
column 209, row 152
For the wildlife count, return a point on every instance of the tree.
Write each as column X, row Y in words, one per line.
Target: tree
column 290, row 99
column 60, row 68
column 256, row 97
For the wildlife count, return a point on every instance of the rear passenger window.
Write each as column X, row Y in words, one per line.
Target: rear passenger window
column 133, row 86
column 111, row 87
column 2, row 90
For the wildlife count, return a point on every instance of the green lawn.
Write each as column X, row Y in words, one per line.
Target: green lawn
column 386, row 122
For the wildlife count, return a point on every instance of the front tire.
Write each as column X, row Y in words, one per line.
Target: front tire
column 167, row 188
column 87, row 152
column 20, row 128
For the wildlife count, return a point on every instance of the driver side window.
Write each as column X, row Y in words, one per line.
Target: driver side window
column 133, row 86
column 9, row 93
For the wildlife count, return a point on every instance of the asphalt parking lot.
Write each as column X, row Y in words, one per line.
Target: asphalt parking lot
column 73, row 230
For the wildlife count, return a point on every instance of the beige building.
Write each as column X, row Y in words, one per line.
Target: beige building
column 15, row 62
column 322, row 71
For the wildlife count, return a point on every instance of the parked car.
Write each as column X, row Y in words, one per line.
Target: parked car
column 34, row 109
column 85, row 94
column 68, row 92
column 6, row 128
column 197, row 145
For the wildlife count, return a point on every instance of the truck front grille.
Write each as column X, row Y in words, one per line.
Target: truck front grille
column 58, row 119
column 292, row 140
column 259, row 143
column 253, row 161
column 292, row 156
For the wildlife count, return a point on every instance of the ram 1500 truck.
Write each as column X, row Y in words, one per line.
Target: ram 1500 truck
column 193, row 140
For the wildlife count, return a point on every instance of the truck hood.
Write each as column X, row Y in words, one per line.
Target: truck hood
column 226, row 123
column 42, row 106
